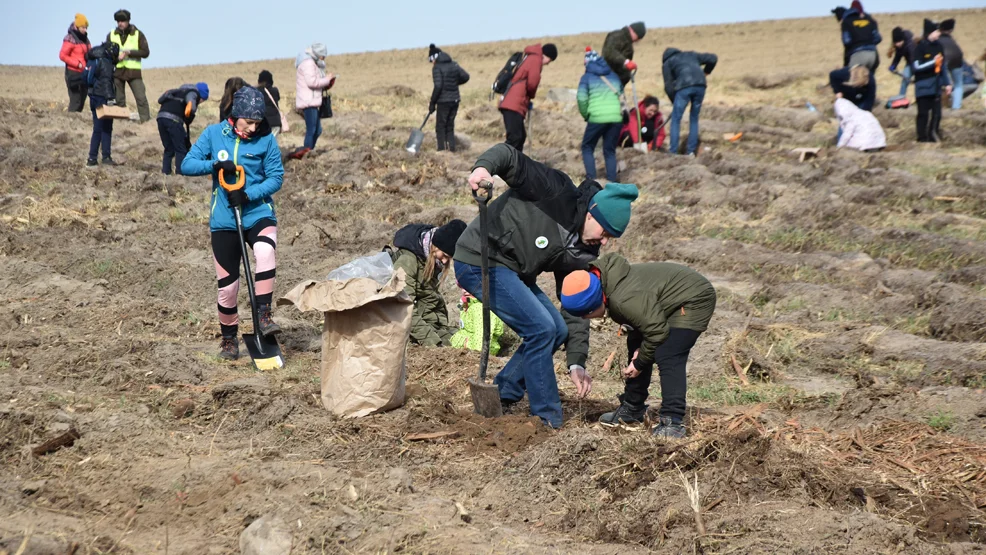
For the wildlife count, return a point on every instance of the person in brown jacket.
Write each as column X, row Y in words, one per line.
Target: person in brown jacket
column 521, row 91
column 133, row 49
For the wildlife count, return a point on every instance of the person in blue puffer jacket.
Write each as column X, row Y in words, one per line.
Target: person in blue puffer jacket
column 221, row 148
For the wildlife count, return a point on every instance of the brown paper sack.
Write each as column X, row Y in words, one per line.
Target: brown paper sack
column 363, row 341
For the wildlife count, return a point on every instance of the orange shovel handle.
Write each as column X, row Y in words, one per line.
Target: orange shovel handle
column 240, row 180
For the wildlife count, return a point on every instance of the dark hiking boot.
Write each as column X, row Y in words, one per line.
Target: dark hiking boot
column 109, row 162
column 267, row 324
column 229, row 349
column 91, row 164
column 626, row 413
column 508, row 406
column 668, row 429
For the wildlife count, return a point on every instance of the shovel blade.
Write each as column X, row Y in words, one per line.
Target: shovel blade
column 264, row 351
column 414, row 142
column 485, row 398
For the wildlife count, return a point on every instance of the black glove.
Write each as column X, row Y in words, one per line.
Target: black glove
column 228, row 168
column 237, row 197
column 431, row 108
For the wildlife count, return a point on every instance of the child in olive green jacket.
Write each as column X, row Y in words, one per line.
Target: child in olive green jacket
column 668, row 306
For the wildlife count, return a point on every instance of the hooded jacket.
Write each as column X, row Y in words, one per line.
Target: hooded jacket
column 930, row 74
column 859, row 32
column 524, row 85
column 654, row 297
column 310, row 81
column 685, row 69
column 261, row 161
column 860, row 128
column 447, row 77
column 75, row 48
column 650, row 127
column 175, row 101
column 102, row 90
column 617, row 49
column 864, row 97
column 535, row 227
column 906, row 51
column 953, row 54
column 429, row 321
column 598, row 101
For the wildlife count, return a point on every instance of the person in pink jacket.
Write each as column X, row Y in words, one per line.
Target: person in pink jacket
column 860, row 129
column 310, row 81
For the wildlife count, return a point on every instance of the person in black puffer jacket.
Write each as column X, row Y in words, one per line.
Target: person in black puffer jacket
column 272, row 98
column 930, row 77
column 447, row 76
column 177, row 112
column 102, row 93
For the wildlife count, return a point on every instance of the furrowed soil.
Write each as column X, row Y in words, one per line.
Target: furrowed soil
column 836, row 402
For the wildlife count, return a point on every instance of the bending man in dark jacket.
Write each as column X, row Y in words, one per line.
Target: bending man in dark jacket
column 684, row 83
column 954, row 60
column 178, row 107
column 542, row 223
column 903, row 49
column 856, row 85
column 448, row 76
column 618, row 49
column 860, row 36
column 667, row 306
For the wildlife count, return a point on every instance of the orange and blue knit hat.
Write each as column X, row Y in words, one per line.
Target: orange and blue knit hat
column 581, row 293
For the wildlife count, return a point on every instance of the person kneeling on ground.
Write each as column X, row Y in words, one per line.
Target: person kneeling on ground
column 424, row 253
column 471, row 335
column 223, row 147
column 858, row 129
column 651, row 128
column 102, row 94
column 855, row 84
column 542, row 223
column 668, row 306
column 178, row 107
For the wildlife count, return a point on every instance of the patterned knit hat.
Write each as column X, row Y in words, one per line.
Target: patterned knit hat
column 581, row 293
column 248, row 103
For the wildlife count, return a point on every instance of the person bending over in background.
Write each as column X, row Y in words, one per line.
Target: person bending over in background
column 618, row 49
column 447, row 77
column 425, row 253
column 221, row 148
column 903, row 48
column 668, row 306
column 178, row 107
column 855, row 84
column 75, row 49
column 651, row 128
column 684, row 83
column 860, row 36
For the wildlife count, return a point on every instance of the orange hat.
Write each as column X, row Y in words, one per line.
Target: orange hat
column 581, row 293
column 81, row 21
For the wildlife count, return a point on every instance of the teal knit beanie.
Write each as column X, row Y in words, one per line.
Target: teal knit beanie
column 611, row 207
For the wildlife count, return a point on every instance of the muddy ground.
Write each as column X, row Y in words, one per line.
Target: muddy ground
column 851, row 294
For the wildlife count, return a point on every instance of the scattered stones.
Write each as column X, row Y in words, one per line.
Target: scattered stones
column 268, row 535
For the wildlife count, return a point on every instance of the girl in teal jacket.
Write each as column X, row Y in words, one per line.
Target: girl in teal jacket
column 222, row 147
column 599, row 102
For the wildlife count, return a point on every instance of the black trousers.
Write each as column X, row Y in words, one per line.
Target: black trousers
column 516, row 133
column 175, row 146
column 929, row 119
column 445, row 125
column 77, row 90
column 671, row 358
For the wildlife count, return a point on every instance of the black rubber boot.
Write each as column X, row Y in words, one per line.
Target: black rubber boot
column 267, row 324
column 626, row 413
column 229, row 348
column 668, row 429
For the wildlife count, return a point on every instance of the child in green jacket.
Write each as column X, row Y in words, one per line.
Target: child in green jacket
column 424, row 252
column 668, row 306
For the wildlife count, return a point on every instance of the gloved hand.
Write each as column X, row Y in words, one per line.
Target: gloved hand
column 582, row 380
column 432, row 108
column 228, row 168
column 630, row 65
column 893, row 69
column 530, row 105
column 237, row 197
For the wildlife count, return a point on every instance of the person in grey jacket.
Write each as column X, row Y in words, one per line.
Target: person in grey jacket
column 447, row 76
column 954, row 60
column 684, row 83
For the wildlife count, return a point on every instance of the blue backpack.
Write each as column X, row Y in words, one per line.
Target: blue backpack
column 91, row 72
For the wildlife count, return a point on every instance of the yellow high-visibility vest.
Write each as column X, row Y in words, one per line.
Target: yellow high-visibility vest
column 133, row 43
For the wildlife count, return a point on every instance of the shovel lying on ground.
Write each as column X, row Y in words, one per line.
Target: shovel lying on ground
column 417, row 137
column 263, row 349
column 485, row 397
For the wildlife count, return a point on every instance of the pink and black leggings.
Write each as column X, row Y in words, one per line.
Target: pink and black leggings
column 262, row 238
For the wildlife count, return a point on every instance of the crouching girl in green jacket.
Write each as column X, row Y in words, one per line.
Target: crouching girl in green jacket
column 424, row 253
column 668, row 306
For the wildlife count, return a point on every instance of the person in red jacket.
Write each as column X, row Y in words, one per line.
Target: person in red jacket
column 75, row 48
column 521, row 91
column 651, row 128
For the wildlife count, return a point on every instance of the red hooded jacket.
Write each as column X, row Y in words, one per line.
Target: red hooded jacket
column 74, row 50
column 525, row 83
column 630, row 129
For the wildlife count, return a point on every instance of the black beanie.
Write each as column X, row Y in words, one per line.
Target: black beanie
column 266, row 77
column 122, row 15
column 433, row 52
column 639, row 29
column 929, row 27
column 839, row 12
column 447, row 236
column 550, row 50
column 947, row 26
column 898, row 34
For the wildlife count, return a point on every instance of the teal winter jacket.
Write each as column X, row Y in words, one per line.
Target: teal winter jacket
column 599, row 102
column 261, row 161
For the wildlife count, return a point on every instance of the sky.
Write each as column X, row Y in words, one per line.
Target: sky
column 186, row 33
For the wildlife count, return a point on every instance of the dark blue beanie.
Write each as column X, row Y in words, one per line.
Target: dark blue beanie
column 248, row 103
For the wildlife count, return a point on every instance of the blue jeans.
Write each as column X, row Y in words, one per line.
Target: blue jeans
column 695, row 96
column 958, row 88
column 530, row 313
column 610, row 134
column 102, row 131
column 905, row 80
column 313, row 127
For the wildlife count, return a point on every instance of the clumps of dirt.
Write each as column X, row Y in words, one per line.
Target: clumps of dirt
column 258, row 407
column 400, row 91
column 767, row 82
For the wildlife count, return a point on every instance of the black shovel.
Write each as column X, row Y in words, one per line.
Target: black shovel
column 485, row 397
column 263, row 349
column 417, row 137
